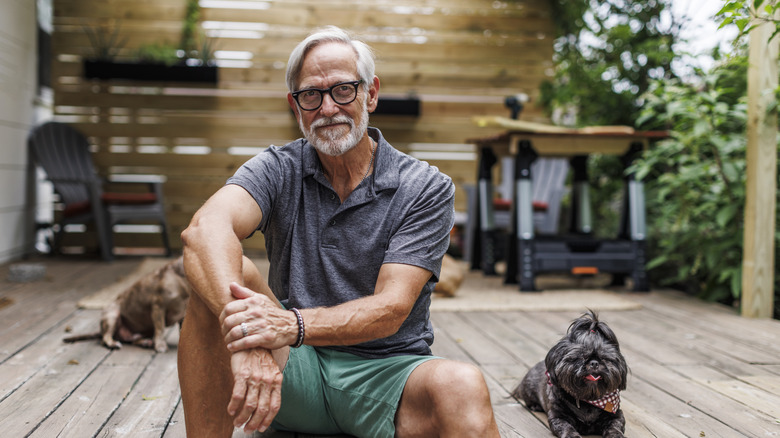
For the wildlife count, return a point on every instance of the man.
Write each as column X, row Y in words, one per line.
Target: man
column 355, row 232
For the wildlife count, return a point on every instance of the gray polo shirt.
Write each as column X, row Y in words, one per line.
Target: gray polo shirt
column 323, row 253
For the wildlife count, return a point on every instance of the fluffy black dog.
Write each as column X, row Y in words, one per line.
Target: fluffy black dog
column 578, row 384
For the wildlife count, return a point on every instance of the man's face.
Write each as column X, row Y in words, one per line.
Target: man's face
column 332, row 129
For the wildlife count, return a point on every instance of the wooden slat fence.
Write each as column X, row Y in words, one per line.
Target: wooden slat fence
column 461, row 58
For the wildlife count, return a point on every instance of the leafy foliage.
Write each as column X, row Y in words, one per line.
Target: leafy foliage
column 190, row 27
column 746, row 15
column 606, row 54
column 194, row 43
column 696, row 184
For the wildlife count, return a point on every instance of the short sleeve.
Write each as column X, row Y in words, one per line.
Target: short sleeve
column 262, row 177
column 423, row 235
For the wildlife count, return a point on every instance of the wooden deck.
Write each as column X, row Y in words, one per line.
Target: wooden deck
column 697, row 370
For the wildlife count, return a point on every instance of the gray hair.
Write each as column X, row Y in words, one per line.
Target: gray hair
column 330, row 34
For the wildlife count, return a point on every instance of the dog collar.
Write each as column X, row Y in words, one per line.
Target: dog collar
column 609, row 403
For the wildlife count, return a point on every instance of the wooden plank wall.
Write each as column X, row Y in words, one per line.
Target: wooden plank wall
column 460, row 57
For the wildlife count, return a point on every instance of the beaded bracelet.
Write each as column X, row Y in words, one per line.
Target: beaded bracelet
column 301, row 330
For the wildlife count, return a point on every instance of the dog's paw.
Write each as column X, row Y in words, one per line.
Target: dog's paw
column 613, row 434
column 113, row 345
column 562, row 428
column 161, row 347
column 536, row 407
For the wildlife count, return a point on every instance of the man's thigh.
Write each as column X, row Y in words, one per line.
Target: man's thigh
column 304, row 407
column 337, row 392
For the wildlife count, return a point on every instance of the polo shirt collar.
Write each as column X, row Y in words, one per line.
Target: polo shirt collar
column 386, row 169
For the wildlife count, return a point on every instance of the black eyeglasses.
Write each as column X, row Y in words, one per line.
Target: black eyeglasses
column 342, row 93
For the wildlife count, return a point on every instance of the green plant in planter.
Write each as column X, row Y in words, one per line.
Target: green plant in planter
column 159, row 53
column 160, row 61
column 194, row 43
column 205, row 52
column 105, row 41
column 190, row 28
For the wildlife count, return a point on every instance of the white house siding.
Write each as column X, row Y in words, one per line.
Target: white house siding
column 18, row 63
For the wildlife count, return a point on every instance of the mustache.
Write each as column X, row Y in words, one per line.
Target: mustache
column 325, row 121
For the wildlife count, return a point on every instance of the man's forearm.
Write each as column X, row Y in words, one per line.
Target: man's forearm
column 350, row 323
column 373, row 317
column 212, row 262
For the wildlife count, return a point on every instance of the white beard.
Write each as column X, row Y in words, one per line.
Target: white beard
column 335, row 142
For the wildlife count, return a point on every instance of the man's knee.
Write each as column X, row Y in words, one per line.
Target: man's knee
column 459, row 376
column 461, row 387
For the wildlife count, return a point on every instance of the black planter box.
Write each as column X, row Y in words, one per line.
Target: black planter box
column 144, row 71
column 409, row 106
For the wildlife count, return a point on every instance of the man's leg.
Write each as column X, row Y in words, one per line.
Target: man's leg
column 204, row 373
column 204, row 365
column 445, row 398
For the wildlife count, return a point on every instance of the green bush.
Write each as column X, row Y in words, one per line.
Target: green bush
column 695, row 182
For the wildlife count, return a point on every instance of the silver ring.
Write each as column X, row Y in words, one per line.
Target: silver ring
column 244, row 329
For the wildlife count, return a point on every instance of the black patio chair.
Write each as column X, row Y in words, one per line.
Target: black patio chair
column 64, row 155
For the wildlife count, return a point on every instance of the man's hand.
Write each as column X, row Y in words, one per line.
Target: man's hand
column 267, row 325
column 257, row 380
column 257, row 389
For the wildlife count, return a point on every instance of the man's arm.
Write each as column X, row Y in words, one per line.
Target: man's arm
column 212, row 244
column 373, row 317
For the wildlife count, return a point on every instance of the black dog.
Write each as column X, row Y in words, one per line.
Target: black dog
column 578, row 384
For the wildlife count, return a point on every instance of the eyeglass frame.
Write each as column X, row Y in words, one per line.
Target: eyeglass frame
column 322, row 92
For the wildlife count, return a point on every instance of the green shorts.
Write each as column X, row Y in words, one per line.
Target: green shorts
column 330, row 392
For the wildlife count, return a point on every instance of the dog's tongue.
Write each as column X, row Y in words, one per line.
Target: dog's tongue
column 592, row 378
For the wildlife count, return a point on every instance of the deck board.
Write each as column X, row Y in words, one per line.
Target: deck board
column 96, row 399
column 697, row 369
column 148, row 408
column 44, row 392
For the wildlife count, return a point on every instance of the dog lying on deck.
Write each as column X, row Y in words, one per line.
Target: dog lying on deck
column 578, row 384
column 140, row 314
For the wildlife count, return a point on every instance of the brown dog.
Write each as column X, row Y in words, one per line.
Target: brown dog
column 140, row 314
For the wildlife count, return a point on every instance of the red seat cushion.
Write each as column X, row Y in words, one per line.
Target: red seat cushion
column 506, row 204
column 129, row 198
column 114, row 198
column 76, row 209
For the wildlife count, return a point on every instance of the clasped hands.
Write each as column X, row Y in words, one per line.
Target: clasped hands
column 267, row 325
column 257, row 379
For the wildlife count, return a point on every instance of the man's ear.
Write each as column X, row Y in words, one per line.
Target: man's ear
column 293, row 106
column 373, row 95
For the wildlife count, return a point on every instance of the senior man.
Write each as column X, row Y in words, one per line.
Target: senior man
column 338, row 338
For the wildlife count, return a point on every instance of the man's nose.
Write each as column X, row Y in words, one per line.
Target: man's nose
column 329, row 106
